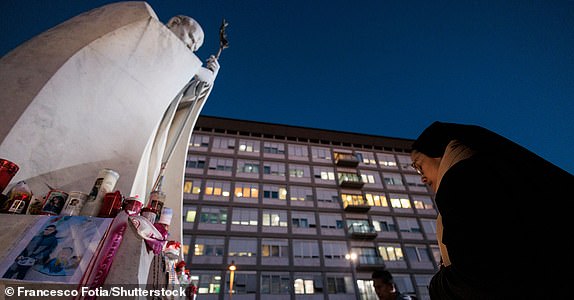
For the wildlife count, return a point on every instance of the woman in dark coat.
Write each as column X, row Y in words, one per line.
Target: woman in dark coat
column 502, row 224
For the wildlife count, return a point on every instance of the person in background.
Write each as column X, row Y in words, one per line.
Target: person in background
column 501, row 215
column 385, row 287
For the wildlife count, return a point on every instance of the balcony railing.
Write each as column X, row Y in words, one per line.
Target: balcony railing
column 350, row 180
column 362, row 231
column 369, row 263
column 346, row 160
column 356, row 205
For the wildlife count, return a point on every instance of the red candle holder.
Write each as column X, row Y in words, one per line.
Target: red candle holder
column 7, row 171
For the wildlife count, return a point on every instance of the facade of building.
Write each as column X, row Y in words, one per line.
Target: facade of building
column 303, row 213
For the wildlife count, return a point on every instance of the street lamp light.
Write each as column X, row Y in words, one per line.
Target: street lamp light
column 352, row 257
column 231, row 269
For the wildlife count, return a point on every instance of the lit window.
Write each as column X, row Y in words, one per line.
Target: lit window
column 352, row 199
column 387, row 160
column 274, row 192
column 400, row 201
column 305, row 284
column 385, row 224
column 246, row 190
column 367, row 158
column 391, row 252
column 190, row 216
column 192, row 187
column 423, row 202
column 368, row 178
column 209, row 282
column 249, row 146
column 217, row 188
column 274, row 218
column 376, row 200
column 274, row 248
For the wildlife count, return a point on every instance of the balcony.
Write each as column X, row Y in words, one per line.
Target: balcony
column 350, row 180
column 346, row 160
column 362, row 231
column 356, row 205
column 370, row 263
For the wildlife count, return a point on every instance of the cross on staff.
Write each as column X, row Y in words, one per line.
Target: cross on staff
column 223, row 43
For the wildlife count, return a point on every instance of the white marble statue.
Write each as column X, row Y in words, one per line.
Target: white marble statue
column 191, row 33
column 174, row 131
column 90, row 94
column 187, row 30
column 111, row 88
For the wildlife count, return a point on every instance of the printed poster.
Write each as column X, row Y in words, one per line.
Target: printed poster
column 55, row 249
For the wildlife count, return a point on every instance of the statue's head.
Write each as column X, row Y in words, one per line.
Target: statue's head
column 188, row 30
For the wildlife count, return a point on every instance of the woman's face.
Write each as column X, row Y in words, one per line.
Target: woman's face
column 427, row 167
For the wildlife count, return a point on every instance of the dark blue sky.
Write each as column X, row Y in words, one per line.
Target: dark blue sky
column 377, row 67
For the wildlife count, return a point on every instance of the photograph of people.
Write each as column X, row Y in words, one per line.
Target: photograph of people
column 37, row 252
column 55, row 249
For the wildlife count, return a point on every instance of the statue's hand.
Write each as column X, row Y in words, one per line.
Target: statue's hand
column 208, row 73
column 213, row 65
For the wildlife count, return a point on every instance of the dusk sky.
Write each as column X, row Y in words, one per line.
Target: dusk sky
column 386, row 68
